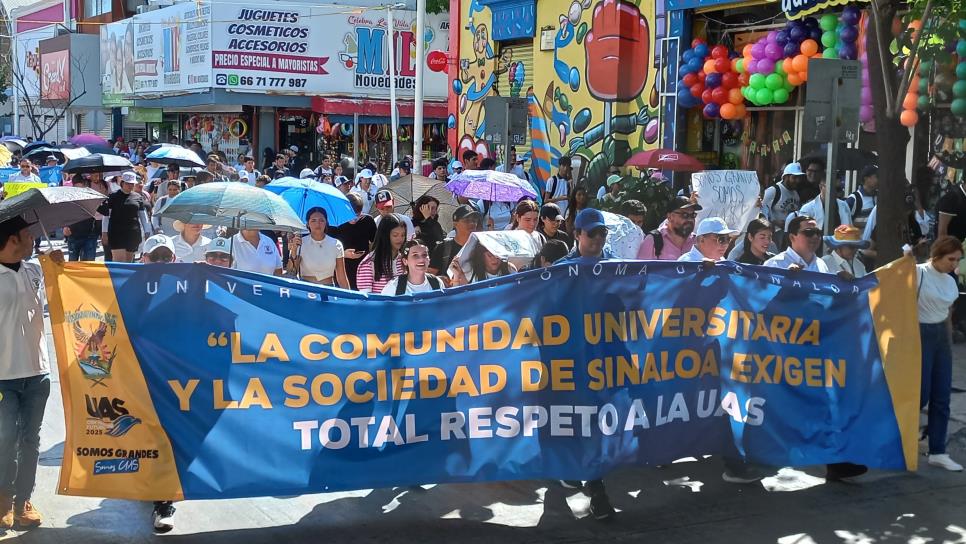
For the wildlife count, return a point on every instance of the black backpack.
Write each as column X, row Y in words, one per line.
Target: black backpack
column 404, row 279
column 658, row 242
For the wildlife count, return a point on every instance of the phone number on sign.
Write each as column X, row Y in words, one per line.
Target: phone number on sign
column 233, row 80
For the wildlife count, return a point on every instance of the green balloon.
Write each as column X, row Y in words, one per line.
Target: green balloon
column 748, row 93
column 828, row 22
column 961, row 70
column 961, row 48
column 830, row 53
column 779, row 69
column 829, row 38
column 923, row 86
column 925, row 67
column 765, row 96
column 774, row 82
column 740, row 66
column 788, row 86
column 780, row 96
column 923, row 102
column 757, row 81
column 959, row 88
column 958, row 107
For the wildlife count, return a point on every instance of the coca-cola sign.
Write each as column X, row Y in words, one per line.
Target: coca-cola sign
column 436, row 61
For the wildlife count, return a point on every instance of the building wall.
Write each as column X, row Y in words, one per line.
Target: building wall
column 592, row 98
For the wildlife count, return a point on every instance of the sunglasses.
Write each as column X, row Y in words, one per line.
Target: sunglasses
column 722, row 239
column 810, row 233
column 160, row 258
column 686, row 215
column 217, row 257
column 599, row 232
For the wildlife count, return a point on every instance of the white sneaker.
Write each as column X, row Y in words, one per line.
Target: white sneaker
column 943, row 460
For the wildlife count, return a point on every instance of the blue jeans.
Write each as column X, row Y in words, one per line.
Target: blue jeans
column 82, row 248
column 937, row 381
column 21, row 412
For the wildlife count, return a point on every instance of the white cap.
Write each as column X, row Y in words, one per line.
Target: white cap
column 793, row 169
column 713, row 225
column 457, row 164
column 129, row 177
column 294, row 148
column 156, row 241
column 219, row 245
column 365, row 173
column 306, row 173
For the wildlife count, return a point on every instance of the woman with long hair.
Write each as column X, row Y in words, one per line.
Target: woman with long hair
column 318, row 258
column 576, row 202
column 757, row 240
column 526, row 217
column 384, row 262
column 426, row 221
column 484, row 265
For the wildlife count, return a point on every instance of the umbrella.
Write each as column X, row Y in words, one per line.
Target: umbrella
column 515, row 246
column 13, row 143
column 175, row 155
column 34, row 145
column 624, row 238
column 233, row 204
column 490, row 185
column 848, row 158
column 103, row 149
column 62, row 153
column 97, row 162
column 665, row 159
column 88, row 138
column 52, row 207
column 155, row 147
column 408, row 189
column 304, row 194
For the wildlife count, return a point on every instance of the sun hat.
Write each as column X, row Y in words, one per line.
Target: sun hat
column 846, row 236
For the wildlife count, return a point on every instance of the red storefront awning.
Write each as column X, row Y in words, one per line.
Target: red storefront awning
column 377, row 108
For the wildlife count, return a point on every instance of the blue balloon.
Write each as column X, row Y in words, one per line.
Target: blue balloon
column 790, row 50
column 684, row 70
column 797, row 33
column 701, row 50
column 687, row 56
column 810, row 22
column 684, row 96
column 782, row 38
column 712, row 110
column 696, row 64
column 815, row 33
column 712, row 80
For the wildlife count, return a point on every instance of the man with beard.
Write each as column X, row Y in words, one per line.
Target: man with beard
column 675, row 237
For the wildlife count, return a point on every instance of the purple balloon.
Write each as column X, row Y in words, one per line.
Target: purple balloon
column 772, row 36
column 848, row 51
column 849, row 34
column 815, row 34
column 851, row 15
column 766, row 66
column 797, row 33
column 866, row 114
column 866, row 95
column 773, row 51
column 810, row 22
column 712, row 80
column 758, row 50
column 782, row 38
column 712, row 110
column 791, row 49
column 752, row 66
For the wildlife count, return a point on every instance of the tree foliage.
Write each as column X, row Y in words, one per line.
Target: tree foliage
column 437, row 6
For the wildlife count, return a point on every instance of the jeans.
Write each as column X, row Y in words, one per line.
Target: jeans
column 937, row 381
column 21, row 412
column 82, row 248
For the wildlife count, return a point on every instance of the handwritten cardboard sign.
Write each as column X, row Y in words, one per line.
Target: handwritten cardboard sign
column 729, row 194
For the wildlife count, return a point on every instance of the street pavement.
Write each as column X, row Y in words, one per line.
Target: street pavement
column 680, row 503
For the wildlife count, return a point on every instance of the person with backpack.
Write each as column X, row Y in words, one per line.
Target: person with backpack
column 416, row 279
column 782, row 198
column 558, row 187
column 675, row 237
column 864, row 199
column 466, row 221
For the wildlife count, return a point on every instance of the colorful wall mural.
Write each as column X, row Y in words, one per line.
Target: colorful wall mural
column 593, row 95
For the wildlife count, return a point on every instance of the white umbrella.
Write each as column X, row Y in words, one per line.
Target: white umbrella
column 175, row 155
column 515, row 246
column 624, row 238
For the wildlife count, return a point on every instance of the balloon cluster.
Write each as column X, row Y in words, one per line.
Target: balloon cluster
column 722, row 95
column 692, row 76
column 909, row 116
column 848, row 33
column 958, row 106
column 866, row 111
column 778, row 63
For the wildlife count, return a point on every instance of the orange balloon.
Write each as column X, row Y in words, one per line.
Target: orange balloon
column 909, row 118
column 734, row 65
column 735, row 97
column 914, row 82
column 816, row 56
column 787, row 65
column 740, row 111
column 709, row 66
column 799, row 63
column 910, row 101
column 728, row 110
column 803, row 76
column 809, row 47
column 794, row 79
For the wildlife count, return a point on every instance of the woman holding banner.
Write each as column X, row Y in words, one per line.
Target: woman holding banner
column 384, row 262
column 936, row 293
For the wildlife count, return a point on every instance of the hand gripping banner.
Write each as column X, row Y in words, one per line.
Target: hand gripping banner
column 186, row 381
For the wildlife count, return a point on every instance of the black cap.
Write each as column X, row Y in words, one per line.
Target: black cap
column 681, row 203
column 869, row 170
column 551, row 211
column 564, row 161
column 406, row 164
column 13, row 226
column 464, row 211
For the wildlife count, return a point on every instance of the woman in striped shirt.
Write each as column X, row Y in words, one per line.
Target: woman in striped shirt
column 384, row 262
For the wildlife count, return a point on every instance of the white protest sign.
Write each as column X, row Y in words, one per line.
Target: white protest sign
column 731, row 195
column 515, row 246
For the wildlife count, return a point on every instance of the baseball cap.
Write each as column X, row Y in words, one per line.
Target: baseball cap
column 406, row 164
column 464, row 211
column 793, row 169
column 713, row 225
column 681, row 203
column 156, row 241
column 612, row 179
column 869, row 170
column 365, row 173
column 51, row 158
column 457, row 165
column 341, row 180
column 383, row 199
column 589, row 219
column 219, row 245
column 129, row 177
column 307, row 173
column 13, row 225
column 551, row 211
column 293, row 148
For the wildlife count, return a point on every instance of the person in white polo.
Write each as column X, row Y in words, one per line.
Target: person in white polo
column 711, row 241
column 255, row 252
column 190, row 244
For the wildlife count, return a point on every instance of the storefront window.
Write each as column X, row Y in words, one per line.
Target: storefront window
column 93, row 8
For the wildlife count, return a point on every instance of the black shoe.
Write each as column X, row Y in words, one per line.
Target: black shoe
column 837, row 472
column 572, row 484
column 163, row 517
column 600, row 507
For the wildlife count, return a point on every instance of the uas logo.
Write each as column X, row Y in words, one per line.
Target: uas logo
column 94, row 357
column 107, row 415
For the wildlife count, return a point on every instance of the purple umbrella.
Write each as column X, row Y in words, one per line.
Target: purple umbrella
column 490, row 185
column 88, row 139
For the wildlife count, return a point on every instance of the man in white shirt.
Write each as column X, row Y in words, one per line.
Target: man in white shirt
column 255, row 252
column 711, row 241
column 324, row 169
column 27, row 173
column 24, row 373
column 863, row 199
column 248, row 174
column 846, row 242
column 558, row 187
column 190, row 244
column 804, row 238
column 782, row 198
column 816, row 208
column 365, row 190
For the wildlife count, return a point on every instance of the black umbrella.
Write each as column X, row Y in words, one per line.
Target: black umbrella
column 52, row 207
column 848, row 158
column 34, row 145
column 99, row 148
column 97, row 162
column 63, row 153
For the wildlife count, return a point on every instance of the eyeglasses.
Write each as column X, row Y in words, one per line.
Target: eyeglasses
column 686, row 215
column 721, row 238
column 810, row 233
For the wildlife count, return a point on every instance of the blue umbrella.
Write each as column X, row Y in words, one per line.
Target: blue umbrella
column 175, row 155
column 233, row 204
column 305, row 194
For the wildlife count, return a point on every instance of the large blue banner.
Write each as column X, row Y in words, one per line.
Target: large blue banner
column 51, row 175
column 202, row 382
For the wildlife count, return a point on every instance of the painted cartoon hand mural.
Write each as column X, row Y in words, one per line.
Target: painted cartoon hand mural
column 618, row 51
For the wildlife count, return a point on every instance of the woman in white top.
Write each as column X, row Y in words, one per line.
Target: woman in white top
column 936, row 293
column 415, row 256
column 526, row 217
column 318, row 258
